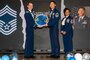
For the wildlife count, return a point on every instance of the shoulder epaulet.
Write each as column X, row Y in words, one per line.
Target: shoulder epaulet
column 26, row 11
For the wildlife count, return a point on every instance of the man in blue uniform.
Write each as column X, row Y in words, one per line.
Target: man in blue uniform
column 54, row 30
column 29, row 45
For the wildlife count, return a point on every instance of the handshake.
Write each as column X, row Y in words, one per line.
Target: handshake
column 42, row 26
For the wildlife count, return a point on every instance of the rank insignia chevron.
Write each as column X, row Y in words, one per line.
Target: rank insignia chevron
column 8, row 20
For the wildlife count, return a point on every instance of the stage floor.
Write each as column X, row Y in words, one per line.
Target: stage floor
column 42, row 57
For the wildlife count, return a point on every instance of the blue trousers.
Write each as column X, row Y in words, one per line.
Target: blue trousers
column 68, row 43
column 55, row 47
column 29, row 44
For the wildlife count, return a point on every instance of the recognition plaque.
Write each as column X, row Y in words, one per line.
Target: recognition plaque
column 41, row 19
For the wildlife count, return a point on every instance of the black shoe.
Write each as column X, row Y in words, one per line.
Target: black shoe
column 27, row 57
column 56, row 56
column 53, row 56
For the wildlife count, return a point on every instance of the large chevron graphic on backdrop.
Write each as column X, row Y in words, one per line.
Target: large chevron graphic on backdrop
column 8, row 20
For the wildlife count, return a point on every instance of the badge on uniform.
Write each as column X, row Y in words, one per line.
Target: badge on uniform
column 56, row 15
column 84, row 22
column 67, row 20
column 53, row 15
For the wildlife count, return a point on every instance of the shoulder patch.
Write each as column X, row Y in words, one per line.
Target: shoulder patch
column 57, row 15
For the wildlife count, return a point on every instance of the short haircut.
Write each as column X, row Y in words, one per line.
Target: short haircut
column 29, row 2
column 82, row 8
column 66, row 9
column 53, row 2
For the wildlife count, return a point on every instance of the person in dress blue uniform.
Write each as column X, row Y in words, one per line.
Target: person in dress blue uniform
column 54, row 30
column 29, row 44
column 67, row 31
column 81, row 28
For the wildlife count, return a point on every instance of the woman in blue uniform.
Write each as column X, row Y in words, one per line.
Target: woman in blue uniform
column 67, row 31
column 54, row 30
